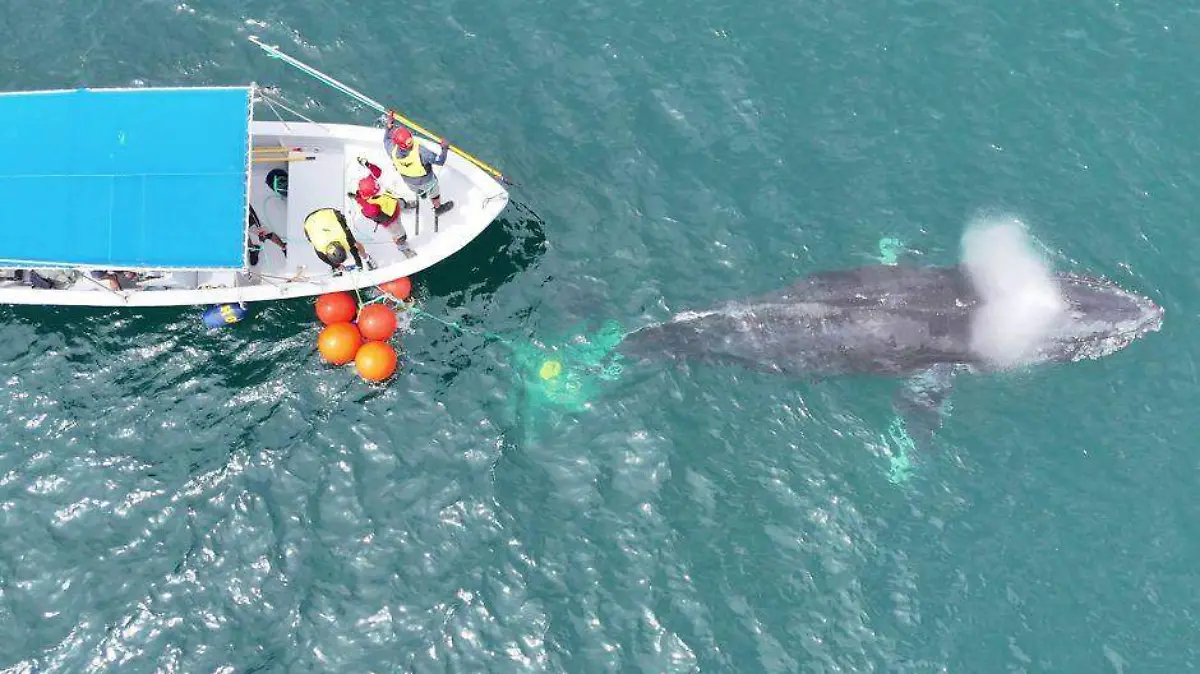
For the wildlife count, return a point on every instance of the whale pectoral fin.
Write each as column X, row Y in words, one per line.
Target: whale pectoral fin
column 924, row 400
column 890, row 249
column 893, row 251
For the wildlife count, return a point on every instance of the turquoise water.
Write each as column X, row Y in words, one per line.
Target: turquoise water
column 178, row 501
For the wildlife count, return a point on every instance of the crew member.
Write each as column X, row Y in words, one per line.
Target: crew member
column 256, row 233
column 415, row 163
column 331, row 238
column 378, row 204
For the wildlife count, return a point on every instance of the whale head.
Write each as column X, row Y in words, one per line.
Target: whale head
column 1100, row 319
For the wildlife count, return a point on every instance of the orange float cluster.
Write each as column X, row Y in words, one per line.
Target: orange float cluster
column 351, row 334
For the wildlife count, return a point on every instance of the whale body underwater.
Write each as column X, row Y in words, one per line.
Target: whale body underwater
column 888, row 320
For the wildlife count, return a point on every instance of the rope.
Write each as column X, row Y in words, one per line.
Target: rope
column 460, row 328
column 357, row 294
column 561, row 377
column 264, row 278
column 280, row 103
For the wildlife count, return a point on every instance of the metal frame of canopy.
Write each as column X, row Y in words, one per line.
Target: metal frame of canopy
column 246, row 177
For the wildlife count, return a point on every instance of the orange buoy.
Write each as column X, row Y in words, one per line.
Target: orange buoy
column 400, row 288
column 375, row 361
column 339, row 342
column 376, row 322
column 336, row 308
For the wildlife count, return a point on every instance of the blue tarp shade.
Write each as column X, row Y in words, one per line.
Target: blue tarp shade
column 124, row 179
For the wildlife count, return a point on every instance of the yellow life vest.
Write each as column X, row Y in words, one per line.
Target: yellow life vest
column 409, row 165
column 386, row 203
column 323, row 227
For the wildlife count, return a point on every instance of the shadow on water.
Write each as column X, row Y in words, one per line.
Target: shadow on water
column 512, row 244
column 471, row 278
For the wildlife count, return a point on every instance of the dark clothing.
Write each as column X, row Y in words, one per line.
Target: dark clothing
column 254, row 230
column 38, row 281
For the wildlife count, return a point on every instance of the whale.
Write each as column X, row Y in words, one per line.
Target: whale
column 923, row 324
column 889, row 320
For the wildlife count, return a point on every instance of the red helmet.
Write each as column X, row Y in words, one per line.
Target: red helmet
column 402, row 138
column 368, row 187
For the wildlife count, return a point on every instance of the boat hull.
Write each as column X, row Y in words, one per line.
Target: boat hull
column 320, row 182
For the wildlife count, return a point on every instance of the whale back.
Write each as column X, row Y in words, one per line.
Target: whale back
column 881, row 319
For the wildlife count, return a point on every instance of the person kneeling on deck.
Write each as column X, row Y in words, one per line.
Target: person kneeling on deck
column 331, row 238
column 415, row 163
column 256, row 233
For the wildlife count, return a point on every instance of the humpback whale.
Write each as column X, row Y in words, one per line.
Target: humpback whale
column 923, row 323
column 890, row 320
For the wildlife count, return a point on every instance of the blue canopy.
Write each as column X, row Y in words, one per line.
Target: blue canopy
column 125, row 178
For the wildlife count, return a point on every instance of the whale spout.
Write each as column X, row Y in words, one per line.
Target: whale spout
column 1020, row 302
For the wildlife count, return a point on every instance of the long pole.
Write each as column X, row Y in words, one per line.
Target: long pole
column 282, row 159
column 372, row 103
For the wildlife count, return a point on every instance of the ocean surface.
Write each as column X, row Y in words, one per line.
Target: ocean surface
column 175, row 500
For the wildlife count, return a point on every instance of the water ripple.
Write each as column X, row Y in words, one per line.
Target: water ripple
column 173, row 500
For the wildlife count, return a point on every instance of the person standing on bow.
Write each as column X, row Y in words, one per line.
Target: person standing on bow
column 332, row 240
column 415, row 163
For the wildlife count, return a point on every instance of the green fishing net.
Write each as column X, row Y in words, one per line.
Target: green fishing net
column 567, row 373
column 889, row 250
column 561, row 373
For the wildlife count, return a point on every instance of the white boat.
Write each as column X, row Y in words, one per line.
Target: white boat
column 160, row 183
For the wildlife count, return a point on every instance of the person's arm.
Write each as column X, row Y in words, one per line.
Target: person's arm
column 428, row 157
column 273, row 237
column 109, row 278
column 387, row 141
column 358, row 262
column 263, row 234
column 350, row 240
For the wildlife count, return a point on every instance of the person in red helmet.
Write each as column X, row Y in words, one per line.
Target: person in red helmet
column 380, row 206
column 414, row 162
